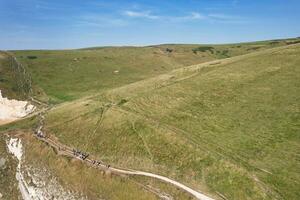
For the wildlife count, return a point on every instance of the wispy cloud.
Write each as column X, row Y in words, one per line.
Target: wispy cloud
column 195, row 15
column 190, row 16
column 97, row 20
column 140, row 14
column 50, row 5
column 220, row 16
column 149, row 15
column 224, row 18
column 117, row 19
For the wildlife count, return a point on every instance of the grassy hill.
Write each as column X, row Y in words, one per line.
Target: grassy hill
column 14, row 81
column 66, row 75
column 227, row 127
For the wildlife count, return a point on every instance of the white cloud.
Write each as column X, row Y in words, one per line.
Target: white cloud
column 192, row 16
column 223, row 18
column 140, row 14
column 97, row 20
column 195, row 16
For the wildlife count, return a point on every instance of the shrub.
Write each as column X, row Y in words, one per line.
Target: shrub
column 32, row 57
column 253, row 48
column 169, row 50
column 123, row 101
column 203, row 49
column 274, row 42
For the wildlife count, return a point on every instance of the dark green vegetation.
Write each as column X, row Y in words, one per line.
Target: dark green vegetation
column 217, row 53
column 203, row 49
column 226, row 128
column 31, row 57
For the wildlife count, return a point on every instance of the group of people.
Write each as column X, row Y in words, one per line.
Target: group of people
column 39, row 132
column 80, row 154
column 96, row 162
column 83, row 156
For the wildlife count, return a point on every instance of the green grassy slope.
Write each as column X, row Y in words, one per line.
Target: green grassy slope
column 60, row 76
column 10, row 78
column 225, row 128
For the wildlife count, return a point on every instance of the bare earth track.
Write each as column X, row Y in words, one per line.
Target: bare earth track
column 62, row 149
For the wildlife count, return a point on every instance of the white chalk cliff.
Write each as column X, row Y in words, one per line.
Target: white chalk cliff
column 14, row 109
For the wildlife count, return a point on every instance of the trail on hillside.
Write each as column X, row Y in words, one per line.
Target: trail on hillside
column 71, row 152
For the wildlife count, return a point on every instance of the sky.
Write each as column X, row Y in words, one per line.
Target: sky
column 65, row 24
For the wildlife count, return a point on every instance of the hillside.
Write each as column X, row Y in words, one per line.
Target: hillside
column 14, row 80
column 65, row 75
column 225, row 125
column 229, row 126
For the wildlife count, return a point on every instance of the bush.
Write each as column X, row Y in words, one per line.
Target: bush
column 123, row 101
column 32, row 57
column 253, row 48
column 203, row 49
column 274, row 42
column 169, row 50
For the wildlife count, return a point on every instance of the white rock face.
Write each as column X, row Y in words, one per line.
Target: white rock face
column 44, row 186
column 13, row 109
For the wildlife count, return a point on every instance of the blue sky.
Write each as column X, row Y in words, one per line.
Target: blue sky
column 60, row 24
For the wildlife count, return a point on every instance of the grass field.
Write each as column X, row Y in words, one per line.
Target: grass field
column 66, row 75
column 228, row 128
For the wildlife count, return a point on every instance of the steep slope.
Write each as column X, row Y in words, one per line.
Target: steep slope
column 14, row 81
column 226, row 127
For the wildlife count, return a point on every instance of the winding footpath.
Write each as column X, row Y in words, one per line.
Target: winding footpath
column 68, row 151
column 196, row 194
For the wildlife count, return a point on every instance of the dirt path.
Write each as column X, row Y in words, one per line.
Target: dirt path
column 198, row 195
column 71, row 152
column 65, row 150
